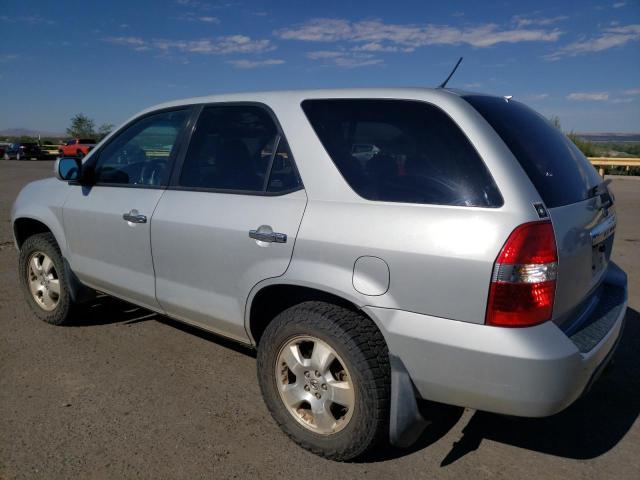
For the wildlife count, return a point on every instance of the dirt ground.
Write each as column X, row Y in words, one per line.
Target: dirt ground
column 129, row 394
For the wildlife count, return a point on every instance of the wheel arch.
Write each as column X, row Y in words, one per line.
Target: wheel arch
column 266, row 301
column 24, row 227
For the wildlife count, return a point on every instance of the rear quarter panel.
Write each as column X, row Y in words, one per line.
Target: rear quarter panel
column 440, row 257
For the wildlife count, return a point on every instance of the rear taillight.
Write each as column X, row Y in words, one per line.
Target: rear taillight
column 523, row 283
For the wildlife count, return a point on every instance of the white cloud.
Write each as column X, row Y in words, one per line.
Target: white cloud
column 344, row 59
column 410, row 36
column 622, row 100
column 523, row 21
column 632, row 91
column 610, row 37
column 206, row 46
column 246, row 64
column 619, row 4
column 536, row 96
column 589, row 96
column 194, row 17
column 30, row 19
column 7, row 57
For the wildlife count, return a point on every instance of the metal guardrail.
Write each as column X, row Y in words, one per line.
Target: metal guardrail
column 602, row 162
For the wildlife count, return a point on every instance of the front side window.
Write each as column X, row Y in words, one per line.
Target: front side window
column 141, row 154
column 238, row 148
column 402, row 151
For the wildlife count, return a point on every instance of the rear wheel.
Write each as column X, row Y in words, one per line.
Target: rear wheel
column 43, row 279
column 80, row 154
column 325, row 377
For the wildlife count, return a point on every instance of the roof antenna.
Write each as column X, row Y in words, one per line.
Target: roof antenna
column 444, row 84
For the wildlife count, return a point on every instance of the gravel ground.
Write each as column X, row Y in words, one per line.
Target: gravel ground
column 130, row 394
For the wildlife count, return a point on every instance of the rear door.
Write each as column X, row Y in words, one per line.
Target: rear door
column 578, row 202
column 107, row 224
column 229, row 218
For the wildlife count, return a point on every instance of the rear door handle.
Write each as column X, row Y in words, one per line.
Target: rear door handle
column 134, row 217
column 265, row 233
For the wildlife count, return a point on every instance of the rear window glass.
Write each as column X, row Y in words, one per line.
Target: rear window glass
column 559, row 171
column 402, row 151
column 86, row 140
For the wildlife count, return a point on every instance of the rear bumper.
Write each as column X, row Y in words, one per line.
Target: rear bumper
column 529, row 372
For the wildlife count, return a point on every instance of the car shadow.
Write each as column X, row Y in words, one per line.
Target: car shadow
column 590, row 427
column 105, row 309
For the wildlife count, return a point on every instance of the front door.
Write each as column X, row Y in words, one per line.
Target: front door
column 108, row 223
column 228, row 220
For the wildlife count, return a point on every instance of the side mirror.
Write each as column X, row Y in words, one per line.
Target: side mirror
column 68, row 169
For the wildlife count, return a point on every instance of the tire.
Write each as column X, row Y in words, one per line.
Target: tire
column 359, row 347
column 34, row 249
column 80, row 154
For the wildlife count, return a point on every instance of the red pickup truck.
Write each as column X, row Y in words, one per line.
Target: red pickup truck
column 77, row 147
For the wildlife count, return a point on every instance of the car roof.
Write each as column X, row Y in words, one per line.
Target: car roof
column 298, row 96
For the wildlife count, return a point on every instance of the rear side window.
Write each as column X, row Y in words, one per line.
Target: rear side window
column 238, row 148
column 402, row 151
column 559, row 171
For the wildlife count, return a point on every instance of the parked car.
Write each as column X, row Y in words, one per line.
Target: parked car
column 3, row 148
column 76, row 147
column 22, row 151
column 468, row 261
column 50, row 151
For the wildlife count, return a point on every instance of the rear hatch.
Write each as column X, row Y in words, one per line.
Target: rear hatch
column 576, row 198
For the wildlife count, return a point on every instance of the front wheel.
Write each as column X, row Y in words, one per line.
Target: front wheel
column 325, row 377
column 43, row 279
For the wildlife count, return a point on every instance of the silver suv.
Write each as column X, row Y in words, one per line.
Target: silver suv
column 464, row 260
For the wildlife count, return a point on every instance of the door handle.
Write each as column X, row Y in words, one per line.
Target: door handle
column 134, row 217
column 265, row 233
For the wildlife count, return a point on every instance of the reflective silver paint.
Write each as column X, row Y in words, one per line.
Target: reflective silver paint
column 194, row 259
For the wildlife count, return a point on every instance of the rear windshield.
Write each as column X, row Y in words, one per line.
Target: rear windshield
column 559, row 171
column 402, row 151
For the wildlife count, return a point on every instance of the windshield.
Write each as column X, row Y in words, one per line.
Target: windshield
column 559, row 171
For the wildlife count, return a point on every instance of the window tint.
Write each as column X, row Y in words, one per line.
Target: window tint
column 402, row 151
column 233, row 147
column 140, row 155
column 283, row 176
column 558, row 170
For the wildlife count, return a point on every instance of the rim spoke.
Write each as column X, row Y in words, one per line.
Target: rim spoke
column 47, row 265
column 294, row 360
column 47, row 300
column 35, row 265
column 54, row 286
column 34, row 285
column 292, row 394
column 321, row 357
column 322, row 416
column 342, row 393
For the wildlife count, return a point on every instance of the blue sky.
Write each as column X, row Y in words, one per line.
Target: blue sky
column 109, row 59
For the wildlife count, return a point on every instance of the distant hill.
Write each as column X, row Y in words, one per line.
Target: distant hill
column 19, row 132
column 609, row 137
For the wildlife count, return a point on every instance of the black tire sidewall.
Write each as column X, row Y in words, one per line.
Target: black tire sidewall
column 358, row 435
column 45, row 242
